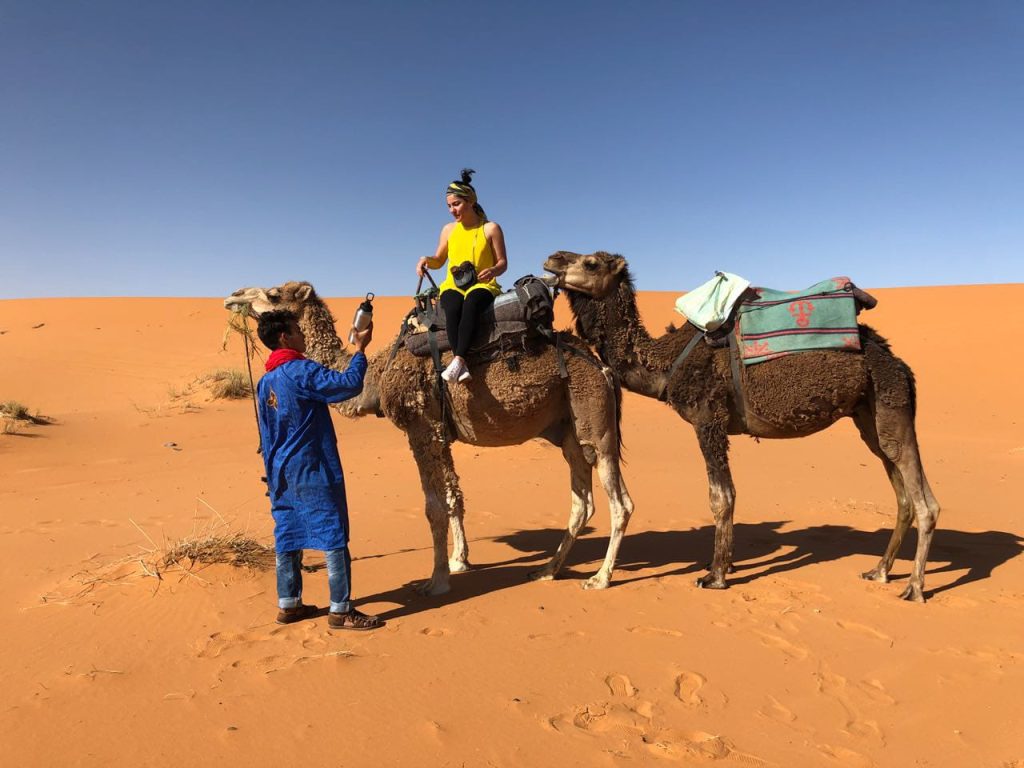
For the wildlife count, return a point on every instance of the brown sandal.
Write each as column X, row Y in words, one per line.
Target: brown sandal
column 298, row 613
column 354, row 620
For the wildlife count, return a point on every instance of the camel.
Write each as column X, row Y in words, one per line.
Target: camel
column 497, row 407
column 791, row 396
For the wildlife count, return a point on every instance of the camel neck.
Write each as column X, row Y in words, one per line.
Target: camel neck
column 613, row 325
column 322, row 342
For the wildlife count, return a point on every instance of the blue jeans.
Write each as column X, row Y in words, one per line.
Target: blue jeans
column 339, row 579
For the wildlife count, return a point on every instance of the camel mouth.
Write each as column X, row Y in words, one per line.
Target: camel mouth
column 241, row 308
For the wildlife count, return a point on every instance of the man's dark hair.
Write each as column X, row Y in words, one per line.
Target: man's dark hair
column 273, row 324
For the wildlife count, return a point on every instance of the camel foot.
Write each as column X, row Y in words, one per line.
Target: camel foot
column 913, row 593
column 458, row 566
column 876, row 574
column 432, row 589
column 711, row 582
column 597, row 581
column 542, row 574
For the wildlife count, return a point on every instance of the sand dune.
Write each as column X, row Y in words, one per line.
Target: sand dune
column 799, row 663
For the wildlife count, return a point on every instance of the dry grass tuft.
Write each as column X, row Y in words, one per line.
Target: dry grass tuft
column 12, row 409
column 214, row 543
column 238, row 323
column 15, row 415
column 226, row 384
column 235, row 549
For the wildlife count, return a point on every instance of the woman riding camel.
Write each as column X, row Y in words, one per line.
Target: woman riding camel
column 475, row 251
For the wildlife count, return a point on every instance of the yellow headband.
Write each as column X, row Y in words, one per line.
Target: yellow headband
column 462, row 190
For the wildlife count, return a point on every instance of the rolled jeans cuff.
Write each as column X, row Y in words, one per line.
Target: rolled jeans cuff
column 341, row 607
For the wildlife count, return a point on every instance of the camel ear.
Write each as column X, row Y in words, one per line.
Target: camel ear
column 305, row 292
column 618, row 264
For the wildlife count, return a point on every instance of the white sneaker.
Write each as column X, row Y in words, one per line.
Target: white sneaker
column 452, row 372
column 464, row 375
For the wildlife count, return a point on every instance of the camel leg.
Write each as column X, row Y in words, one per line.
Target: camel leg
column 620, row 507
column 581, row 483
column 865, row 421
column 444, row 505
column 897, row 439
column 714, row 444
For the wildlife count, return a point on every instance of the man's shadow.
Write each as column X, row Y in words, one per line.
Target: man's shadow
column 761, row 550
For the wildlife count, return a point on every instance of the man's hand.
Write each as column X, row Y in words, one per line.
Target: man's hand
column 361, row 339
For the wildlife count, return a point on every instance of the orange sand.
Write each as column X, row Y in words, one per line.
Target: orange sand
column 800, row 663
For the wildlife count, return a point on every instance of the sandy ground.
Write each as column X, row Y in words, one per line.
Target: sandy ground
column 800, row 663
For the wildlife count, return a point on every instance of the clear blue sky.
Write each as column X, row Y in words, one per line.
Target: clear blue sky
column 186, row 148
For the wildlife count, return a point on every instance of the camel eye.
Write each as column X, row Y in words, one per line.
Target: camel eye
column 590, row 266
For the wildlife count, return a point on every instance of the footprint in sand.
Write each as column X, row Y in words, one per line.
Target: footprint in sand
column 775, row 710
column 620, row 685
column 846, row 757
column 782, row 644
column 435, row 632
column 629, row 729
column 864, row 629
column 835, row 687
column 655, row 631
column 693, row 691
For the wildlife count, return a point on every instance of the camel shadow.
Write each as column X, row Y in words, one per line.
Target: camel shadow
column 761, row 550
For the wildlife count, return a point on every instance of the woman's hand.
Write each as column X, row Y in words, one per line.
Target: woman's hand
column 422, row 266
column 492, row 272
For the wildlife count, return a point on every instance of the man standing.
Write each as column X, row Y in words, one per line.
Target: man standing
column 304, row 475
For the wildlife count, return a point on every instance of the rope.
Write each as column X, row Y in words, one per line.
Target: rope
column 252, row 385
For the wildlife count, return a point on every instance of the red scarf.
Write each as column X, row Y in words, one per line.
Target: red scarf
column 282, row 356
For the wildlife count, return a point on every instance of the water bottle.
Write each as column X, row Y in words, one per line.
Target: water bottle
column 363, row 318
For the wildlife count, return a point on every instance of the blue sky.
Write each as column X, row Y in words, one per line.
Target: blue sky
column 190, row 148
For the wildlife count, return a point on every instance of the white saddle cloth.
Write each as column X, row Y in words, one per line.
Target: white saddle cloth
column 709, row 305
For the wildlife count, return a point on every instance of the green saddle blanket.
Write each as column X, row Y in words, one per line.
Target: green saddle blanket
column 777, row 323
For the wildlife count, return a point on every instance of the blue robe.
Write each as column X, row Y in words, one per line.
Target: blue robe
column 300, row 451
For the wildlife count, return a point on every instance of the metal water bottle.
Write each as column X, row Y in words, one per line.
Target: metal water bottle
column 363, row 318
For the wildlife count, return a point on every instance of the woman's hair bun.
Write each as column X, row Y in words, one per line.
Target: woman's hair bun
column 467, row 175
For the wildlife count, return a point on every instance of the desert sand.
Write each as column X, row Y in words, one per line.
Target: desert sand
column 799, row 663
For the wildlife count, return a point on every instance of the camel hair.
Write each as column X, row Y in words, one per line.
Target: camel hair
column 496, row 407
column 789, row 396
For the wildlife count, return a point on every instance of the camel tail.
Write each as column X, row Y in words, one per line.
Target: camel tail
column 618, row 417
column 892, row 379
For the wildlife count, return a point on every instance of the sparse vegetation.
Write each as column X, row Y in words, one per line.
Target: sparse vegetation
column 227, row 384
column 213, row 543
column 12, row 409
column 14, row 415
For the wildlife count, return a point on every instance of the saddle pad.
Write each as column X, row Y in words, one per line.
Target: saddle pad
column 778, row 323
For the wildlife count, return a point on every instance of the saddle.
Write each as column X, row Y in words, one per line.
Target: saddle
column 519, row 319
column 768, row 323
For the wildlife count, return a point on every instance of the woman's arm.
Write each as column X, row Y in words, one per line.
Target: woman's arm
column 497, row 240
column 440, row 256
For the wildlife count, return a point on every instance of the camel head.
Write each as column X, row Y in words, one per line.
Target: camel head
column 322, row 342
column 293, row 296
column 595, row 274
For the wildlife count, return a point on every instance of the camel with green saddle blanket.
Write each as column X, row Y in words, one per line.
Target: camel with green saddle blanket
column 787, row 393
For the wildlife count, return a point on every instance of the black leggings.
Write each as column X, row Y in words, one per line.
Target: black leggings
column 462, row 316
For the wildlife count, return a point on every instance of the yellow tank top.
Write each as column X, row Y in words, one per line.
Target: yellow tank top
column 469, row 245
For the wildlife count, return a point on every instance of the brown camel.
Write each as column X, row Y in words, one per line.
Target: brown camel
column 791, row 396
column 496, row 407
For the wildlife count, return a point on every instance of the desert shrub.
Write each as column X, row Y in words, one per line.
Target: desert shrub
column 227, row 384
column 12, row 409
column 237, row 549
